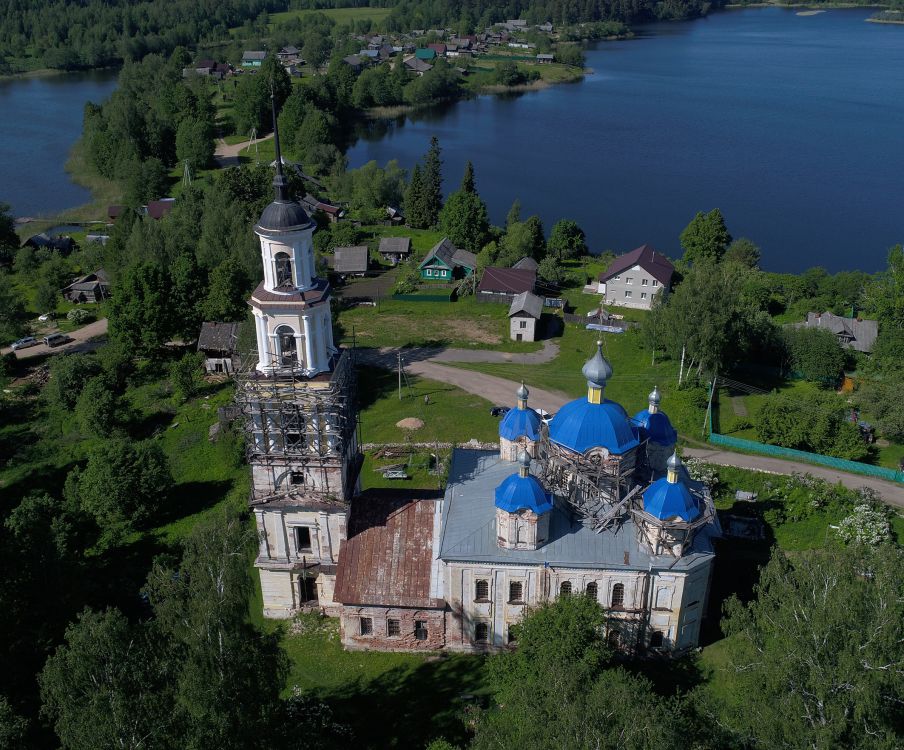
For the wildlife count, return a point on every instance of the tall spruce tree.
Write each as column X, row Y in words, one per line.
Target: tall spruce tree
column 414, row 201
column 433, row 183
column 464, row 219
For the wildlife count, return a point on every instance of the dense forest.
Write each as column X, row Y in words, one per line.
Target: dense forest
column 101, row 33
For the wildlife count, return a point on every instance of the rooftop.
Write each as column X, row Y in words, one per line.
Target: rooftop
column 469, row 528
column 350, row 259
column 507, row 280
column 387, row 556
column 528, row 304
column 218, row 337
column 397, row 245
column 645, row 256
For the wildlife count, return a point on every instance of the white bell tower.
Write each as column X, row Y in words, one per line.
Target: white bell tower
column 291, row 305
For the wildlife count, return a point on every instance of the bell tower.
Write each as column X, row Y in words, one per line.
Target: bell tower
column 297, row 399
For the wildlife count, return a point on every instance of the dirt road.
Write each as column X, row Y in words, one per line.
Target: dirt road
column 80, row 342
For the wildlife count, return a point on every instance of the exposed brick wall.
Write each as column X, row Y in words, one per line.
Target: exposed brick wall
column 350, row 628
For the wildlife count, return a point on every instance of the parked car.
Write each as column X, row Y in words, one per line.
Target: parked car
column 24, row 343
column 499, row 411
column 56, row 339
column 45, row 317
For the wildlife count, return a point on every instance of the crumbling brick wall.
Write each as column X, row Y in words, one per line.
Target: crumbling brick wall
column 379, row 637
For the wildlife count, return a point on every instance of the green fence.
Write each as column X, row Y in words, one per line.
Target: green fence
column 842, row 464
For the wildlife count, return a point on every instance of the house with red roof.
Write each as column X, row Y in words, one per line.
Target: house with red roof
column 635, row 278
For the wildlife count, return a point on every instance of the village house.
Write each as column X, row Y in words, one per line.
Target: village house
column 159, row 208
column 354, row 62
column 217, row 342
column 92, row 287
column 425, row 53
column 114, row 212
column 527, row 263
column 446, row 262
column 635, row 278
column 290, row 54
column 524, row 316
column 502, row 284
column 416, row 65
column 395, row 249
column 545, row 59
column 62, row 244
column 350, row 261
column 253, row 58
column 438, row 48
column 852, row 333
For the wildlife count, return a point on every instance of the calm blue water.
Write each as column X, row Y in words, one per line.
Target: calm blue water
column 40, row 119
column 793, row 126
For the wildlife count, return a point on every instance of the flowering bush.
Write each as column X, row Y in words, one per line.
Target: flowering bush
column 867, row 524
column 701, row 472
column 78, row 315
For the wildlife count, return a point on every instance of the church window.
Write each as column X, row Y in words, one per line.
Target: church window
column 481, row 632
column 656, row 639
column 613, row 639
column 367, row 626
column 482, row 590
column 307, row 589
column 618, row 595
column 288, row 351
column 420, row 630
column 592, row 590
column 516, row 592
column 565, row 588
column 393, row 628
column 296, row 477
column 283, row 268
column 512, row 634
column 302, row 540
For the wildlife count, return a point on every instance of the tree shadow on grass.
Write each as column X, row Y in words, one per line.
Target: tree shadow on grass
column 405, row 708
column 189, row 498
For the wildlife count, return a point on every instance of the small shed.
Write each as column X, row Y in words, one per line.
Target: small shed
column 217, row 342
column 524, row 314
column 395, row 249
column 350, row 261
column 93, row 287
column 544, row 59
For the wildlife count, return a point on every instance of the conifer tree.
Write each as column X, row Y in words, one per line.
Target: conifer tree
column 433, row 183
column 414, row 201
column 464, row 218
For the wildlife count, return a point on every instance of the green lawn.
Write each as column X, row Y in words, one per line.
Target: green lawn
column 442, row 415
column 466, row 323
column 389, row 700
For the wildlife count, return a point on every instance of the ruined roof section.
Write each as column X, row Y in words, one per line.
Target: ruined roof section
column 219, row 337
column 386, row 559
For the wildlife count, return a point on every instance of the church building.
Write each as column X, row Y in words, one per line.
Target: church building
column 594, row 503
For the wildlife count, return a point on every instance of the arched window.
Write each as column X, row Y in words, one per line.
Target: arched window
column 283, row 268
column 618, row 595
column 481, row 632
column 482, row 590
column 565, row 588
column 613, row 639
column 592, row 590
column 656, row 639
column 288, row 348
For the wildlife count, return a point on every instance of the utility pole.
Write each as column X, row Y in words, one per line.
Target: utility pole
column 709, row 408
column 399, row 355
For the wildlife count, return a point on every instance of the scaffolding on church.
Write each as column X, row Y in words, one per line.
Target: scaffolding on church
column 300, row 431
column 598, row 486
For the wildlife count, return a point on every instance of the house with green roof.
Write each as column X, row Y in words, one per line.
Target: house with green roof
column 425, row 53
column 445, row 262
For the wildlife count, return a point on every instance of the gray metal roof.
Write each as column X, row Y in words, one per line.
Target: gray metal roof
column 398, row 245
column 469, row 528
column 527, row 303
column 350, row 259
column 855, row 333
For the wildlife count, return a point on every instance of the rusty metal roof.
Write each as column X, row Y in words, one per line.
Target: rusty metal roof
column 386, row 559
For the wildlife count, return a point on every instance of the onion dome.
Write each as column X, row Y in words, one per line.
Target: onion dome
column 522, row 491
column 655, row 396
column 597, row 369
column 283, row 214
column 656, row 427
column 521, row 421
column 594, row 422
column 668, row 499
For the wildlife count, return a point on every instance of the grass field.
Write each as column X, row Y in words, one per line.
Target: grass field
column 466, row 323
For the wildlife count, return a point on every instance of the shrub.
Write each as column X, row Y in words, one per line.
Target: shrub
column 79, row 316
column 867, row 524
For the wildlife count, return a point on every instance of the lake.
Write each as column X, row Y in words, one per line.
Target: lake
column 792, row 125
column 40, row 120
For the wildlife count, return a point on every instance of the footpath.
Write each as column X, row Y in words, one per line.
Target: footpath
column 428, row 363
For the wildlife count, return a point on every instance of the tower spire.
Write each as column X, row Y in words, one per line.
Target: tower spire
column 280, row 183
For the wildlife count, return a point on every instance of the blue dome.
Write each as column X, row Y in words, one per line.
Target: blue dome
column 520, row 423
column 580, row 426
column 657, row 426
column 523, row 493
column 667, row 500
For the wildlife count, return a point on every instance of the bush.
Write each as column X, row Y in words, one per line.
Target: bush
column 867, row 524
column 186, row 376
column 79, row 316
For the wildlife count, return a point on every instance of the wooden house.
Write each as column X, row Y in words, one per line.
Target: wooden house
column 217, row 342
column 446, row 262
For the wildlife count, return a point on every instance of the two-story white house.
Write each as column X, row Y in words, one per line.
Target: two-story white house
column 635, row 278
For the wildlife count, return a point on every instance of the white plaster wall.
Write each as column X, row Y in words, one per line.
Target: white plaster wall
column 298, row 245
column 528, row 333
